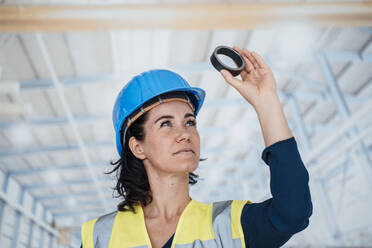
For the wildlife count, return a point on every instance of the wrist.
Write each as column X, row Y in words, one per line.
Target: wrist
column 266, row 102
column 272, row 119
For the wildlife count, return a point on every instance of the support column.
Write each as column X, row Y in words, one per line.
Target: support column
column 50, row 240
column 42, row 231
column 18, row 220
column 32, row 224
column 4, row 189
column 299, row 122
column 2, row 205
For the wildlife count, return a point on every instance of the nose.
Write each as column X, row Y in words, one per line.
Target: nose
column 183, row 134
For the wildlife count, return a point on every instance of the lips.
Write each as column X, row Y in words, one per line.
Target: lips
column 185, row 150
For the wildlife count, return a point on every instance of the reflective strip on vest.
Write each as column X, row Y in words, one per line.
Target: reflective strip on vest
column 200, row 226
column 102, row 230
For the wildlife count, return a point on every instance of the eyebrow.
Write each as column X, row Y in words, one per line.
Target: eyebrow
column 172, row 117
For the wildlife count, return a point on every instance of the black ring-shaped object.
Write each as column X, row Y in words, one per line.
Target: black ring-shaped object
column 235, row 56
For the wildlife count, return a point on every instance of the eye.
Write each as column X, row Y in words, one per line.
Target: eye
column 161, row 125
column 193, row 123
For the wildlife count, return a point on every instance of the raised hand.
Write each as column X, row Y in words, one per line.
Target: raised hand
column 258, row 80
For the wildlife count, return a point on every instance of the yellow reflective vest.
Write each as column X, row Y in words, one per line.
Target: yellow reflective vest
column 200, row 225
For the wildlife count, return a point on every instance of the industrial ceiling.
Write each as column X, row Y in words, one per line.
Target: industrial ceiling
column 62, row 64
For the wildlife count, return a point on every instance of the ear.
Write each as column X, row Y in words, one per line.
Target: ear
column 136, row 147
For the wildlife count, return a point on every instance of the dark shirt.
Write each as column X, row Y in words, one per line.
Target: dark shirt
column 273, row 222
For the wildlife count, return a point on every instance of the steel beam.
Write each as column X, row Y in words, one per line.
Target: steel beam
column 50, row 18
column 18, row 220
column 32, row 225
column 50, row 241
column 323, row 146
column 2, row 206
column 348, row 56
column 21, row 211
column 5, row 182
column 61, row 95
column 4, row 188
column 297, row 78
column 62, row 196
column 42, row 84
column 54, row 168
column 342, row 107
column 78, row 205
column 42, row 232
column 54, row 121
column 79, row 212
column 34, row 186
column 60, row 207
column 16, row 206
column 300, row 124
column 367, row 30
column 333, row 158
column 62, row 148
column 41, row 240
column 326, row 205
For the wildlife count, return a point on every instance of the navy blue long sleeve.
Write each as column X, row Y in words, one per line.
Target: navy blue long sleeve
column 271, row 223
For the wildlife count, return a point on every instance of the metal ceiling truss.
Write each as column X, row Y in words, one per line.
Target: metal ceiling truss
column 22, row 212
column 65, row 195
column 56, row 168
column 100, row 182
column 59, row 148
column 330, row 93
column 66, row 107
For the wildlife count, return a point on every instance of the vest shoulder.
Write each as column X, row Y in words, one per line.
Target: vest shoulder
column 89, row 222
column 87, row 232
column 93, row 221
column 201, row 204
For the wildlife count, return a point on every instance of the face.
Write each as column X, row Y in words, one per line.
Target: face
column 170, row 127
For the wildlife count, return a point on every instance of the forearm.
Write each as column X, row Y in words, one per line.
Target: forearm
column 273, row 123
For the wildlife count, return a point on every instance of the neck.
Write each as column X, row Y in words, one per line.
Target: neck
column 170, row 196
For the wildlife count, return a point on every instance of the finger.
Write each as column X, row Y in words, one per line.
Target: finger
column 252, row 59
column 230, row 79
column 248, row 65
column 244, row 74
column 260, row 60
column 237, row 49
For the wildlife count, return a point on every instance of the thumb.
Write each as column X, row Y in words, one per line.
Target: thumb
column 230, row 79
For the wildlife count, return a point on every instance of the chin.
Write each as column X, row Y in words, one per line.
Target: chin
column 186, row 166
column 191, row 167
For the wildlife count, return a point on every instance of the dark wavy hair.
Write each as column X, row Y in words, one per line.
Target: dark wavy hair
column 132, row 181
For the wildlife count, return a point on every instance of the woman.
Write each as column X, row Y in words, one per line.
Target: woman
column 157, row 138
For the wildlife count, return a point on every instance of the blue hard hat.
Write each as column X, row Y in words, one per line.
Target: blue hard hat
column 145, row 87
